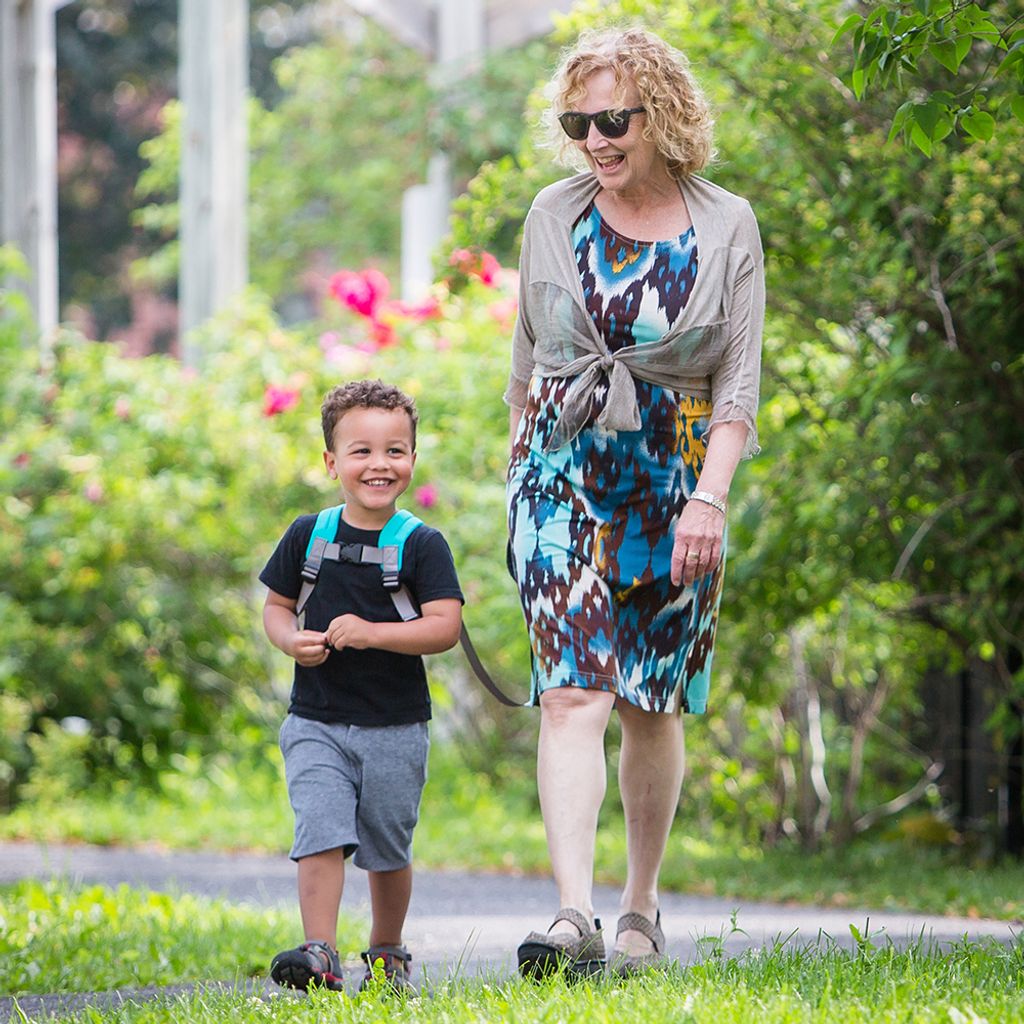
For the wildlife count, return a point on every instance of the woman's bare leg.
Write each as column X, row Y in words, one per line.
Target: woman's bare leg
column 571, row 780
column 651, row 765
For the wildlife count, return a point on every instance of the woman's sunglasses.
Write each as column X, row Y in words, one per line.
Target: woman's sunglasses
column 612, row 124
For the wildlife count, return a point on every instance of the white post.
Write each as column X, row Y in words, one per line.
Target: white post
column 424, row 222
column 214, row 76
column 28, row 145
column 460, row 36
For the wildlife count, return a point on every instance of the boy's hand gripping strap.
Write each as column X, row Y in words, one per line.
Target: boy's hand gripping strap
column 388, row 555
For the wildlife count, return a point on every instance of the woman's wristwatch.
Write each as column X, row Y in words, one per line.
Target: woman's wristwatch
column 710, row 499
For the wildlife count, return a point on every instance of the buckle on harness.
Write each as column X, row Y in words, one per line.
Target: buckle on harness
column 311, row 567
column 389, row 567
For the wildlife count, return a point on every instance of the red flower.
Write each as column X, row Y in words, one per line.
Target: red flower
column 482, row 266
column 361, row 291
column 277, row 400
column 382, row 333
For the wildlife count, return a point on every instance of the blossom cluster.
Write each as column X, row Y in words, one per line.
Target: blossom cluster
column 365, row 293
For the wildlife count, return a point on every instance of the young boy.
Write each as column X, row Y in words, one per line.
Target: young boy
column 355, row 738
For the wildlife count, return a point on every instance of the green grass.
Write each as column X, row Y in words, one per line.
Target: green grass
column 56, row 937
column 972, row 983
column 469, row 820
column 62, row 938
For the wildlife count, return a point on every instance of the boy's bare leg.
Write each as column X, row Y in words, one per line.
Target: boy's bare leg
column 321, row 880
column 390, row 892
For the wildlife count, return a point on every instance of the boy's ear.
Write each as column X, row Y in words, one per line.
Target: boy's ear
column 332, row 471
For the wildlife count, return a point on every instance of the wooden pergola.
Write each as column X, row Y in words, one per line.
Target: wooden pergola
column 213, row 76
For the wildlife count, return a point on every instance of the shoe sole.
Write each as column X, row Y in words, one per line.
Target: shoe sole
column 537, row 962
column 291, row 972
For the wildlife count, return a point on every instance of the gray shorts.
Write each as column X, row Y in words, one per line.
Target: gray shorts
column 355, row 787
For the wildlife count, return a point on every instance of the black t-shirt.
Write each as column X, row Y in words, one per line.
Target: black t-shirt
column 368, row 687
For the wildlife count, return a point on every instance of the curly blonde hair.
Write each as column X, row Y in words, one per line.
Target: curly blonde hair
column 677, row 116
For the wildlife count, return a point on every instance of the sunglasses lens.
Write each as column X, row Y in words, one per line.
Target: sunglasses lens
column 612, row 125
column 574, row 125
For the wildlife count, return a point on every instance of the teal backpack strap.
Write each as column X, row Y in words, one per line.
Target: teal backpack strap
column 393, row 536
column 326, row 526
column 387, row 554
column 325, row 529
column 391, row 544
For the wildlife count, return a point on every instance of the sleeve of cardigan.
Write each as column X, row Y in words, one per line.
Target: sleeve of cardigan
column 736, row 383
column 522, row 336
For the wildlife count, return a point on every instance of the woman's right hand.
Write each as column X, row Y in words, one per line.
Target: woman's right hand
column 698, row 542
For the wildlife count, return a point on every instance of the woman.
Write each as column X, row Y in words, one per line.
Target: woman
column 632, row 395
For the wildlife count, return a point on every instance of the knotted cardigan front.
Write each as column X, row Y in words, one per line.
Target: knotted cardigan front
column 712, row 351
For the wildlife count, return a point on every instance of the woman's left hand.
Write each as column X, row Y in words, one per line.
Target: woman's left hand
column 698, row 542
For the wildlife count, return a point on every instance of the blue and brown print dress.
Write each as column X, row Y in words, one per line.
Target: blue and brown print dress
column 592, row 522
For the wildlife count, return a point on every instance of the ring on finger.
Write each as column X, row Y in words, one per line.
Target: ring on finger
column 693, row 556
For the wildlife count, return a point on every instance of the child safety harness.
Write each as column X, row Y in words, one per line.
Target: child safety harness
column 388, row 555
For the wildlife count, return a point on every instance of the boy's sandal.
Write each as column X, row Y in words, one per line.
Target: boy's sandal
column 313, row 964
column 395, row 967
column 542, row 953
column 625, row 964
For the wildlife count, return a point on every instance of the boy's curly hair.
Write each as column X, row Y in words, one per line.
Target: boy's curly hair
column 364, row 394
column 677, row 117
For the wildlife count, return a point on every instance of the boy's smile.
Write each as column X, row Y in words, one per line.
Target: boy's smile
column 372, row 458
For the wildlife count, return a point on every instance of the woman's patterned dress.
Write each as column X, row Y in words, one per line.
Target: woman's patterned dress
column 592, row 522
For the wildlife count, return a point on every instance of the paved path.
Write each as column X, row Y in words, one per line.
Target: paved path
column 473, row 922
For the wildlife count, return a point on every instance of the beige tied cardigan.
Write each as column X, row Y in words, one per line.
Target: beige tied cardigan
column 713, row 350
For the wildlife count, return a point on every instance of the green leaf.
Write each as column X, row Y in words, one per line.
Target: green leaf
column 945, row 52
column 853, row 19
column 979, row 125
column 921, row 140
column 963, row 47
column 927, row 116
column 899, row 119
column 857, row 82
column 1017, row 106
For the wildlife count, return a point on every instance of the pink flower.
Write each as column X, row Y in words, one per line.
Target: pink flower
column 482, row 266
column 462, row 259
column 443, row 344
column 504, row 311
column 362, row 291
column 426, row 496
column 489, row 269
column 426, row 309
column 122, row 408
column 353, row 360
column 277, row 400
column 329, row 340
column 22, row 459
column 93, row 491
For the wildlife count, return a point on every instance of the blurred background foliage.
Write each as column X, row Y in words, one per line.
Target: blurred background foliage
column 875, row 571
